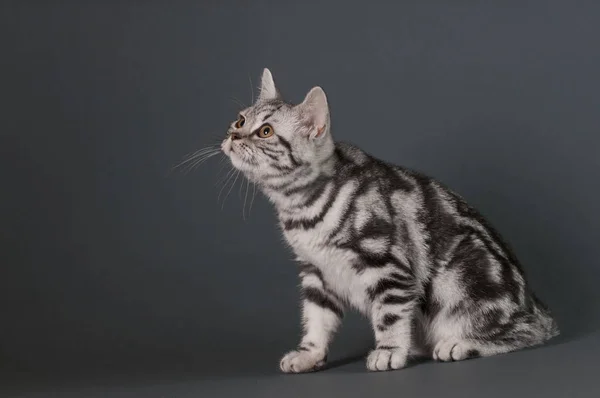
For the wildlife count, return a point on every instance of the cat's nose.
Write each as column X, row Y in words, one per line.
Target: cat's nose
column 235, row 136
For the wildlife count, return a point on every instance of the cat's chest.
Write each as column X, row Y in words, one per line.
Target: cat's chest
column 335, row 264
column 313, row 245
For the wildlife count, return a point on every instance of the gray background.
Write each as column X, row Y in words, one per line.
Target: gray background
column 120, row 278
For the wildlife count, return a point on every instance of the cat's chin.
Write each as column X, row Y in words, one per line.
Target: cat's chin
column 240, row 165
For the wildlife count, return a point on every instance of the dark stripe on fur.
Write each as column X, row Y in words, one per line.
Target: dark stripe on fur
column 319, row 298
column 310, row 223
column 268, row 153
column 307, row 268
column 307, row 187
column 394, row 299
column 317, row 193
column 288, row 146
column 268, row 115
column 383, row 285
column 390, row 319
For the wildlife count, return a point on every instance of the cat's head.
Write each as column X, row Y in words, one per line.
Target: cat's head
column 274, row 138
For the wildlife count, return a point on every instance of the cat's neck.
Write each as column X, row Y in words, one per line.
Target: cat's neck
column 301, row 188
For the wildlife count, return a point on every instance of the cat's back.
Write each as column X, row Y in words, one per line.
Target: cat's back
column 418, row 201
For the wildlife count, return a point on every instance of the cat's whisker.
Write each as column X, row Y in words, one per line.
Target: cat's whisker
column 245, row 197
column 222, row 165
column 230, row 188
column 204, row 159
column 253, row 194
column 240, row 189
column 201, row 150
column 197, row 154
column 240, row 103
column 191, row 166
column 228, row 178
column 251, row 89
column 204, row 152
column 197, row 158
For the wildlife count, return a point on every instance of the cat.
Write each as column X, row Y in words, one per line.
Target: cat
column 428, row 270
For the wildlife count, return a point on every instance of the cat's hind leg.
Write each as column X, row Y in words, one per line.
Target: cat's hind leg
column 498, row 339
column 496, row 330
column 477, row 304
column 459, row 349
column 456, row 335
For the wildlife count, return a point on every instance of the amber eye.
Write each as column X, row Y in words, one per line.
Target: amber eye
column 265, row 131
column 240, row 122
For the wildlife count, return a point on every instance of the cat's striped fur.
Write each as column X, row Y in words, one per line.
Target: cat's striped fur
column 425, row 267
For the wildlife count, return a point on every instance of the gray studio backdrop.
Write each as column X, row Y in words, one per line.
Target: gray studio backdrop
column 111, row 261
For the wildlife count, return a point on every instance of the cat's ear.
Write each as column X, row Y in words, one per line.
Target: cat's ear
column 315, row 112
column 268, row 91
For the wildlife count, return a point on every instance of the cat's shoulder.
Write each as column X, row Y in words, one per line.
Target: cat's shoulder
column 351, row 154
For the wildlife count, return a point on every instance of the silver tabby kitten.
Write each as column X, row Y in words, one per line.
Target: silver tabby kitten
column 431, row 274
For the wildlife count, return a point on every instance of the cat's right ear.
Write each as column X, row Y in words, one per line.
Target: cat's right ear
column 315, row 112
column 268, row 91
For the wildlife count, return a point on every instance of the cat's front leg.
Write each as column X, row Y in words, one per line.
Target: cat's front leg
column 391, row 315
column 321, row 316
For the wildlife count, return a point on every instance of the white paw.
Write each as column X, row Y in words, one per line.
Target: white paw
column 451, row 350
column 386, row 359
column 302, row 361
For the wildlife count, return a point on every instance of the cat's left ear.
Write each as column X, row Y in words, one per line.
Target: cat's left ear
column 268, row 91
column 315, row 112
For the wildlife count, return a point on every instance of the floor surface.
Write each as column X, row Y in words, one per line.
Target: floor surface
column 563, row 368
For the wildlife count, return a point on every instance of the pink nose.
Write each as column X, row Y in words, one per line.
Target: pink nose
column 235, row 136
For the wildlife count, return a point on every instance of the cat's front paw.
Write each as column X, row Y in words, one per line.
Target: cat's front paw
column 386, row 359
column 299, row 361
